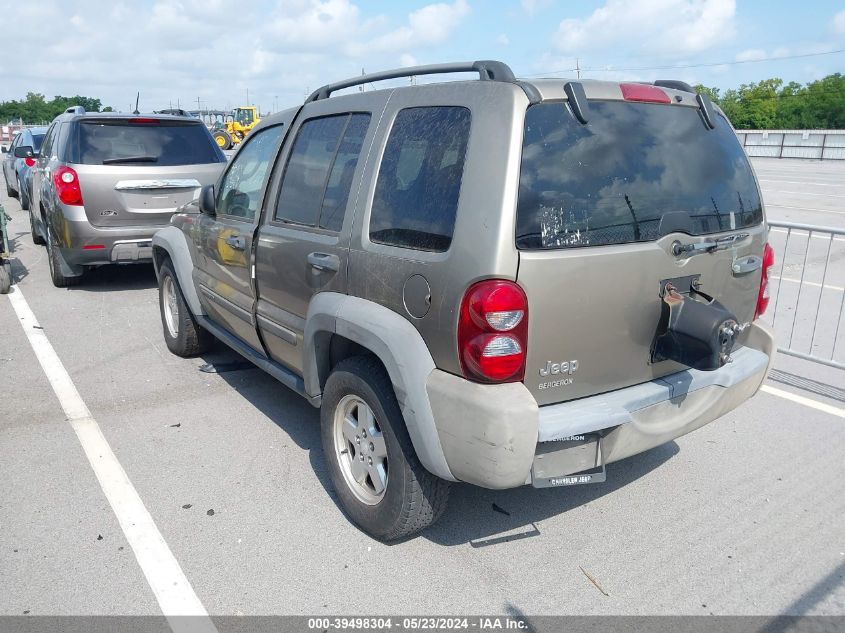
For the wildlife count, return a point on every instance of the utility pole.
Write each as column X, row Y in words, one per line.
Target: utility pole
column 199, row 107
column 578, row 67
column 361, row 87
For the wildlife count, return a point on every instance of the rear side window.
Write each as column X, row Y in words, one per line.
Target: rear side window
column 154, row 142
column 318, row 175
column 416, row 197
column 634, row 173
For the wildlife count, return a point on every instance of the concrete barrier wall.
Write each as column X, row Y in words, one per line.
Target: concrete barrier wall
column 813, row 144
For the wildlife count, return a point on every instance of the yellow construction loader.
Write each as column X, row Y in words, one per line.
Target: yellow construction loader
column 235, row 127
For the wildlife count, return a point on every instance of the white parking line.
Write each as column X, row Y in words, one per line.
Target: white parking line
column 172, row 590
column 807, row 402
column 783, row 206
column 805, row 193
column 802, row 182
column 804, row 234
column 810, row 283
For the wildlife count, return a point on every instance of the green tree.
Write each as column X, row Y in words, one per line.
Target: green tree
column 713, row 93
column 732, row 107
column 759, row 106
column 36, row 109
column 791, row 106
column 825, row 103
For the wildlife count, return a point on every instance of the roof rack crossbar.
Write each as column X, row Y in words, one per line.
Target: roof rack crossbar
column 487, row 70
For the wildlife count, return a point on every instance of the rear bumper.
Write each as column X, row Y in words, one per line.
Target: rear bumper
column 104, row 245
column 491, row 433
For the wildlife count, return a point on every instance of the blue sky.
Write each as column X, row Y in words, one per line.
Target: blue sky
column 181, row 50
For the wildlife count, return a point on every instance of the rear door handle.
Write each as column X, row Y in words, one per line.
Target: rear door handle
column 324, row 261
column 236, row 242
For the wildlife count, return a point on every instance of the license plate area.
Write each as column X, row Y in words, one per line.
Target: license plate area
column 570, row 461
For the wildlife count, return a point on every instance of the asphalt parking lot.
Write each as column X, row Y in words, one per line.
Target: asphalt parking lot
column 745, row 516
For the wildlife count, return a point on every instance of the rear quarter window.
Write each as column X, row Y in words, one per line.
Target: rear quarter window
column 161, row 143
column 419, row 182
column 635, row 172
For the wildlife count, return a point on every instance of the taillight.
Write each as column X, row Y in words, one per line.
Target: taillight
column 67, row 186
column 644, row 93
column 30, row 162
column 763, row 295
column 493, row 332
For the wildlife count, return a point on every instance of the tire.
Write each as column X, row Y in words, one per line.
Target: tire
column 5, row 278
column 223, row 139
column 36, row 238
column 23, row 196
column 9, row 191
column 412, row 498
column 182, row 334
column 59, row 280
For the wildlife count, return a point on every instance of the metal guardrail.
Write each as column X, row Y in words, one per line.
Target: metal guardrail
column 812, row 144
column 812, row 269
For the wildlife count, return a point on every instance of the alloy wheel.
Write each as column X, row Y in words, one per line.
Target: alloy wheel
column 170, row 305
column 361, row 449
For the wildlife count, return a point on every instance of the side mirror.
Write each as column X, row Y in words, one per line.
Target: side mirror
column 208, row 204
column 25, row 151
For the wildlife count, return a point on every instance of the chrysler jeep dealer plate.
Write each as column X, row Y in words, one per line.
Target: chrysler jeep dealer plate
column 569, row 461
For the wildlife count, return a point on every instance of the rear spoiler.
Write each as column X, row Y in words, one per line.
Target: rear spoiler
column 704, row 103
column 581, row 109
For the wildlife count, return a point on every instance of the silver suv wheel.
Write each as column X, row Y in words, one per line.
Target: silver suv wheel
column 170, row 306
column 361, row 449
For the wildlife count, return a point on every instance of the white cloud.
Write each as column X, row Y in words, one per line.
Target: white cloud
column 503, row 39
column 313, row 25
column 430, row 25
column 679, row 26
column 406, row 60
column 179, row 50
column 752, row 54
column 839, row 23
column 531, row 7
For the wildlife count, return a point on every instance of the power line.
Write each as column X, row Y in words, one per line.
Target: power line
column 682, row 66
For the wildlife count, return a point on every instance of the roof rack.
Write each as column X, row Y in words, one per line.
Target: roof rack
column 173, row 111
column 75, row 110
column 488, row 70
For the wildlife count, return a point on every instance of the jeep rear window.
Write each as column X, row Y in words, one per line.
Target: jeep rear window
column 635, row 172
column 161, row 143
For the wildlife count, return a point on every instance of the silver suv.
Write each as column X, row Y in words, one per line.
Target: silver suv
column 103, row 183
column 500, row 282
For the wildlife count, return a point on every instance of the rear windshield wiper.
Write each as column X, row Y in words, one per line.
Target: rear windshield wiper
column 131, row 159
column 709, row 246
